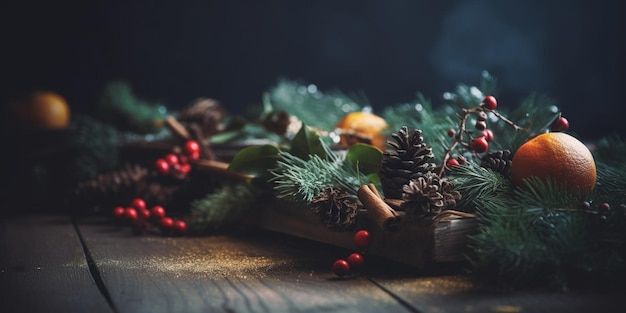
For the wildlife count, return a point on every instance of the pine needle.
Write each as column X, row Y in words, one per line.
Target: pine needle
column 222, row 207
column 477, row 186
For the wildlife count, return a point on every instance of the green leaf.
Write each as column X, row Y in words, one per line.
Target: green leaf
column 255, row 160
column 307, row 143
column 367, row 157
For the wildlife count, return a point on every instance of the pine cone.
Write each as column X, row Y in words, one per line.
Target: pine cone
column 428, row 195
column 207, row 113
column 336, row 208
column 406, row 159
column 111, row 188
column 498, row 161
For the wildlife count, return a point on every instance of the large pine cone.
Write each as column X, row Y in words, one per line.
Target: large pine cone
column 498, row 161
column 407, row 158
column 428, row 195
column 336, row 208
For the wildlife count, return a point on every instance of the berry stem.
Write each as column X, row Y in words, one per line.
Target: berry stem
column 458, row 136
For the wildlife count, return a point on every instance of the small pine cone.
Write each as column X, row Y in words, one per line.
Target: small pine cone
column 336, row 208
column 498, row 161
column 428, row 195
column 207, row 113
column 407, row 158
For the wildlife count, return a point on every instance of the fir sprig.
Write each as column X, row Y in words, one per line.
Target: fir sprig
column 222, row 207
column 312, row 106
column 478, row 186
column 299, row 181
column 120, row 106
column 527, row 237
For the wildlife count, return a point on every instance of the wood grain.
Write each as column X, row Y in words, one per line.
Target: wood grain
column 457, row 293
column 256, row 272
column 43, row 268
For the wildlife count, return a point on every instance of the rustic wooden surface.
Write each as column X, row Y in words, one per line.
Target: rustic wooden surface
column 44, row 267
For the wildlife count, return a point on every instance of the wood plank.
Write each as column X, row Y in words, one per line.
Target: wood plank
column 43, row 267
column 251, row 272
column 457, row 293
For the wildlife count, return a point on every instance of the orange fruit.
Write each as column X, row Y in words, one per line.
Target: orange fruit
column 363, row 127
column 556, row 156
column 44, row 109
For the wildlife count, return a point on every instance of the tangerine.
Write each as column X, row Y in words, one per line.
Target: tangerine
column 44, row 109
column 558, row 156
column 363, row 127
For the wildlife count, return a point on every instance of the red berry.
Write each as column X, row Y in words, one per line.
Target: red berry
column 144, row 214
column 192, row 147
column 559, row 125
column 488, row 134
column 362, row 239
column 179, row 227
column 604, row 208
column 167, row 223
column 451, row 132
column 184, row 169
column 194, row 156
column 172, row 159
column 138, row 204
column 341, row 268
column 490, row 103
column 157, row 212
column 355, row 260
column 130, row 214
column 452, row 163
column 118, row 212
column 161, row 166
column 480, row 144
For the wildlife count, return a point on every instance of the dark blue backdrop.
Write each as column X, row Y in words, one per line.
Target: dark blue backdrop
column 175, row 51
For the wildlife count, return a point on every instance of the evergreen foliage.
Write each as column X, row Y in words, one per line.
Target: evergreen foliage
column 298, row 181
column 222, row 207
column 120, row 106
column 312, row 106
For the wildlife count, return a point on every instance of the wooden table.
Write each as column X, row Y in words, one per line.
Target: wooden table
column 59, row 264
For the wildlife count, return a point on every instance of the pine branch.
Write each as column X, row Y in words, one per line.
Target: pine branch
column 119, row 104
column 299, row 181
column 222, row 207
column 312, row 106
column 478, row 186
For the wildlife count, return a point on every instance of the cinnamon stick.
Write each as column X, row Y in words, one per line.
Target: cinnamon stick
column 379, row 211
column 177, row 128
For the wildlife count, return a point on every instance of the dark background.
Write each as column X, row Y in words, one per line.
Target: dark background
column 176, row 51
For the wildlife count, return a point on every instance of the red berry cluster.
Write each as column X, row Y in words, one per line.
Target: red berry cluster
column 362, row 240
column 178, row 164
column 142, row 219
column 478, row 142
column 602, row 211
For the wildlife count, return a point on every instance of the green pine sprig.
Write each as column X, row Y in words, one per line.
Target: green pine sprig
column 222, row 207
column 312, row 106
column 530, row 236
column 298, row 181
column 120, row 106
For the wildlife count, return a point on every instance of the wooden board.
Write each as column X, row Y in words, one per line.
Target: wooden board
column 457, row 293
column 43, row 268
column 259, row 271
